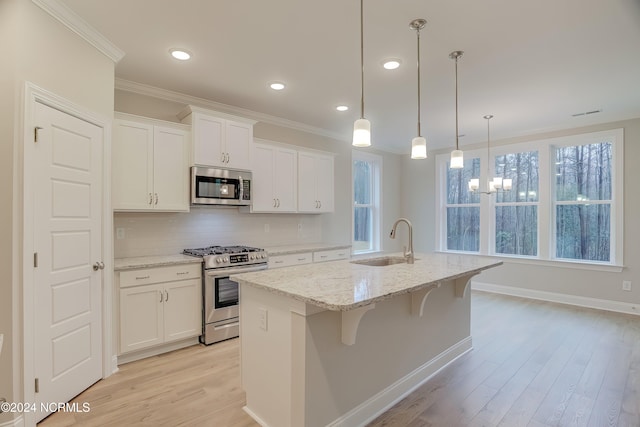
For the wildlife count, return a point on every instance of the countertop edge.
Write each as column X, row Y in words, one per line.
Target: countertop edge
column 373, row 300
column 132, row 263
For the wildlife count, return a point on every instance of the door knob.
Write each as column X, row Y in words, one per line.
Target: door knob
column 98, row 266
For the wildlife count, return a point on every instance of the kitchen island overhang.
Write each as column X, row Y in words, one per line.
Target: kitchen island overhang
column 337, row 343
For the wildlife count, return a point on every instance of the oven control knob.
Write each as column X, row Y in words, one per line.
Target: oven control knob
column 226, row 259
column 263, row 256
column 252, row 257
column 219, row 260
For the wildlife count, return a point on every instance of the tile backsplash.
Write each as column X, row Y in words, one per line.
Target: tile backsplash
column 161, row 233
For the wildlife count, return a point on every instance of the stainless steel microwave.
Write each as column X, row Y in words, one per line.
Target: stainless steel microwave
column 211, row 186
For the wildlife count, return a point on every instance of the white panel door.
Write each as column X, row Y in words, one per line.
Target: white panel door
column 208, row 137
column 68, row 241
column 324, row 183
column 132, row 177
column 181, row 318
column 263, row 199
column 170, row 169
column 238, row 145
column 285, row 180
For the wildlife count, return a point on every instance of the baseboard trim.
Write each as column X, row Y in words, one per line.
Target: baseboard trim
column 254, row 416
column 599, row 304
column 154, row 351
column 385, row 399
column 16, row 422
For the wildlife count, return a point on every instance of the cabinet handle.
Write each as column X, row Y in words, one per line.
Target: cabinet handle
column 302, row 259
column 320, row 204
column 161, row 296
column 166, row 299
column 274, row 203
column 278, row 262
column 182, row 273
column 156, row 199
column 150, row 198
column 142, row 277
column 323, row 256
column 278, row 203
column 222, row 158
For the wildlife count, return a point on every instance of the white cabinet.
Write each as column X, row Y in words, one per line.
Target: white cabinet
column 150, row 165
column 288, row 260
column 274, row 179
column 315, row 182
column 159, row 305
column 218, row 140
column 331, row 255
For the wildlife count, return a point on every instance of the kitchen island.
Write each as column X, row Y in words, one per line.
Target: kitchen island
column 337, row 343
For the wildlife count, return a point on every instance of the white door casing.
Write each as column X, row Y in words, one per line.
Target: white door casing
column 67, row 237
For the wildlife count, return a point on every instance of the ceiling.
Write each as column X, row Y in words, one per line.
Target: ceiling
column 533, row 65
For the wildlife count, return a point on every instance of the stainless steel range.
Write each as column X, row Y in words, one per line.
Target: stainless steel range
column 220, row 319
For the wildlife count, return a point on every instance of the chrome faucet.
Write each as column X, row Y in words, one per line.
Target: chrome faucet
column 407, row 254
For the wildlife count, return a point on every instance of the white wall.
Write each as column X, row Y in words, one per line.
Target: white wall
column 419, row 179
column 229, row 226
column 39, row 49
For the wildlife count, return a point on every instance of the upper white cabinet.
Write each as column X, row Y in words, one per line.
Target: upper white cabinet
column 315, row 182
column 274, row 178
column 150, row 165
column 219, row 140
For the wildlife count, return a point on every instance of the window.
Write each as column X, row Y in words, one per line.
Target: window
column 516, row 211
column 463, row 208
column 566, row 201
column 367, row 171
column 582, row 203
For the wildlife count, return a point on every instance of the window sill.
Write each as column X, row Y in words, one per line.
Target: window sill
column 610, row 268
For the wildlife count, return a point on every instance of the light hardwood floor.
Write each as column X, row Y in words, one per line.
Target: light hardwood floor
column 533, row 364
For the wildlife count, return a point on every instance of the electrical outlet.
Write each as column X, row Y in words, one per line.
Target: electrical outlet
column 626, row 285
column 262, row 316
column 266, row 228
column 119, row 233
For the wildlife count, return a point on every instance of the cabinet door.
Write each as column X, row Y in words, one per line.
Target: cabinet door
column 285, row 180
column 141, row 317
column 170, row 169
column 182, row 309
column 307, row 201
column 132, row 165
column 238, row 140
column 263, row 199
column 208, row 139
column 324, row 183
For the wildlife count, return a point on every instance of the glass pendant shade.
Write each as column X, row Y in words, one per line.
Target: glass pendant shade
column 492, row 186
column 497, row 182
column 419, row 148
column 474, row 184
column 362, row 133
column 457, row 160
column 507, row 184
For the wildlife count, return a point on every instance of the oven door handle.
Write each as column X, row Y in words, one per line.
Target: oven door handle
column 224, row 272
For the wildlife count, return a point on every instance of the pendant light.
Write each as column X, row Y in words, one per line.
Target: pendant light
column 457, row 159
column 497, row 183
column 362, row 126
column 418, row 144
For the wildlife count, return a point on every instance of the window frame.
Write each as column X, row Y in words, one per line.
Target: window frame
column 546, row 199
column 376, row 200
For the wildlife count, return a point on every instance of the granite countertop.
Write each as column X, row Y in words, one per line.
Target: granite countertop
column 311, row 247
column 343, row 285
column 120, row 264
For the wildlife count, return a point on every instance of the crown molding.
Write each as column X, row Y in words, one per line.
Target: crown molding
column 168, row 95
column 79, row 26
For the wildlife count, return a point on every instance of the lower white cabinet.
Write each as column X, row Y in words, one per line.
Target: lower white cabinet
column 158, row 313
column 301, row 258
column 331, row 255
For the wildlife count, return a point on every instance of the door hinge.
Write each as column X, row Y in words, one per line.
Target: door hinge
column 35, row 259
column 35, row 133
column 37, row 385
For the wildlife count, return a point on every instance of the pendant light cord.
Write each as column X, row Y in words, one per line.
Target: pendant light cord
column 362, row 59
column 418, row 32
column 457, row 103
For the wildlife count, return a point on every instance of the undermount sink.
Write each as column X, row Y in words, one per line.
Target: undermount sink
column 381, row 262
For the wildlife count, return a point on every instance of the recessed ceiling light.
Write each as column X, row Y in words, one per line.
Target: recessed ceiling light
column 276, row 85
column 180, row 54
column 391, row 64
column 342, row 108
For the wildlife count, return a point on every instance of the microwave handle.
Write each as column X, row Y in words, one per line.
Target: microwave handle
column 241, row 197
